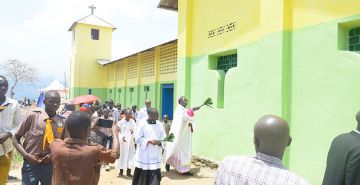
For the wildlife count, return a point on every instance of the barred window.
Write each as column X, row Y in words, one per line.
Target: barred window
column 354, row 39
column 226, row 62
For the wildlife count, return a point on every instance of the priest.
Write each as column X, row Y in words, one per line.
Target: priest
column 178, row 153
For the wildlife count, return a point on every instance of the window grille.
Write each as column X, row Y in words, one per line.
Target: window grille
column 148, row 63
column 168, row 59
column 226, row 62
column 132, row 67
column 354, row 39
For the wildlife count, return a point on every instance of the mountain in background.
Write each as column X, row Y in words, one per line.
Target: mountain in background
column 30, row 90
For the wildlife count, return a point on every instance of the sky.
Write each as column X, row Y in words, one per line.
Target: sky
column 36, row 31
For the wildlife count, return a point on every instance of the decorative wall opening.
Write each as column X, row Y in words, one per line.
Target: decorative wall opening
column 131, row 90
column 121, row 70
column 110, row 72
column 132, row 67
column 148, row 63
column 226, row 62
column 146, row 89
column 354, row 39
column 222, row 62
column 168, row 59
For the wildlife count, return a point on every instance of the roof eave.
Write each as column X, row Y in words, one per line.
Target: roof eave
column 168, row 8
column 75, row 23
column 168, row 5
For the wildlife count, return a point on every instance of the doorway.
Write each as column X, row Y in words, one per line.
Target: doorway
column 167, row 106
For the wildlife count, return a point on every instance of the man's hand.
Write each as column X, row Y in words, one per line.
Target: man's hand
column 131, row 131
column 195, row 108
column 4, row 137
column 153, row 142
column 191, row 127
column 45, row 159
column 115, row 130
column 33, row 159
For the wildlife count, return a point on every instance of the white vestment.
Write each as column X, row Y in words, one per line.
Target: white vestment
column 127, row 149
column 178, row 153
column 148, row 156
column 142, row 115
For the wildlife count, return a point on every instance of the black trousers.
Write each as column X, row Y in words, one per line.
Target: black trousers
column 146, row 177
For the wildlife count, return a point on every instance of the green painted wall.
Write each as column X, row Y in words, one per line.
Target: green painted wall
column 131, row 98
column 244, row 98
column 151, row 95
column 100, row 92
column 139, row 96
column 300, row 75
column 325, row 95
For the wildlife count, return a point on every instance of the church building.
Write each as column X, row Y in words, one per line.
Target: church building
column 298, row 59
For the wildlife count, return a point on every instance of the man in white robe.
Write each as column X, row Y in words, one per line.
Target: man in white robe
column 142, row 115
column 127, row 146
column 178, row 153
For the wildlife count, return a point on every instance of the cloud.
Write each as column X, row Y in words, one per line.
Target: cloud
column 11, row 35
column 60, row 14
column 43, row 39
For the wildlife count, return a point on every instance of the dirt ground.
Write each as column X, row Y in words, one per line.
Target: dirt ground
column 203, row 176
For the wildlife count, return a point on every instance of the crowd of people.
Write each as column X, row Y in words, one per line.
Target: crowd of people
column 71, row 146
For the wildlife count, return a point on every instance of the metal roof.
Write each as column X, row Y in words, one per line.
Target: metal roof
column 168, row 5
column 93, row 20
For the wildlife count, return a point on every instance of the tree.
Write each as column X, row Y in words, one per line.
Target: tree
column 18, row 72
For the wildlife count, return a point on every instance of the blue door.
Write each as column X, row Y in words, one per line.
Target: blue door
column 167, row 105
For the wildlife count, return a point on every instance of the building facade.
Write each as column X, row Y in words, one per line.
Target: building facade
column 149, row 74
column 297, row 59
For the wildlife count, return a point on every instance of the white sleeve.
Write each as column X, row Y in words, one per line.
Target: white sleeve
column 140, row 138
column 17, row 120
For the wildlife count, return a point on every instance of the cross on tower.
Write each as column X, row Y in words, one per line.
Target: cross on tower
column 92, row 7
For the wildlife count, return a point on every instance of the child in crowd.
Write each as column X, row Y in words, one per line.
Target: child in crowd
column 148, row 154
column 108, row 133
column 75, row 160
column 39, row 129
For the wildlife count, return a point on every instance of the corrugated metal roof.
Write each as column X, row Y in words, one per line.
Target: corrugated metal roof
column 93, row 20
column 169, row 4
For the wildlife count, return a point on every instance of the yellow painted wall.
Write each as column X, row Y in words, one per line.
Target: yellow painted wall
column 120, row 74
column 256, row 19
column 87, row 72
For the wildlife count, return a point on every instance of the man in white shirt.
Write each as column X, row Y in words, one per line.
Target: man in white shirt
column 143, row 112
column 271, row 137
column 10, row 119
column 114, row 112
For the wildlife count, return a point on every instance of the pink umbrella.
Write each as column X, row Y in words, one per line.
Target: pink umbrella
column 84, row 99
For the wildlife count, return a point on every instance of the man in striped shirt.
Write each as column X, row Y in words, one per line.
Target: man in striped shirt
column 271, row 137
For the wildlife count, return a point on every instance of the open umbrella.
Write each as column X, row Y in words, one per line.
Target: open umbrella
column 84, row 99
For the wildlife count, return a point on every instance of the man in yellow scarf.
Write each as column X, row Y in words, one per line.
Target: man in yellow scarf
column 40, row 129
